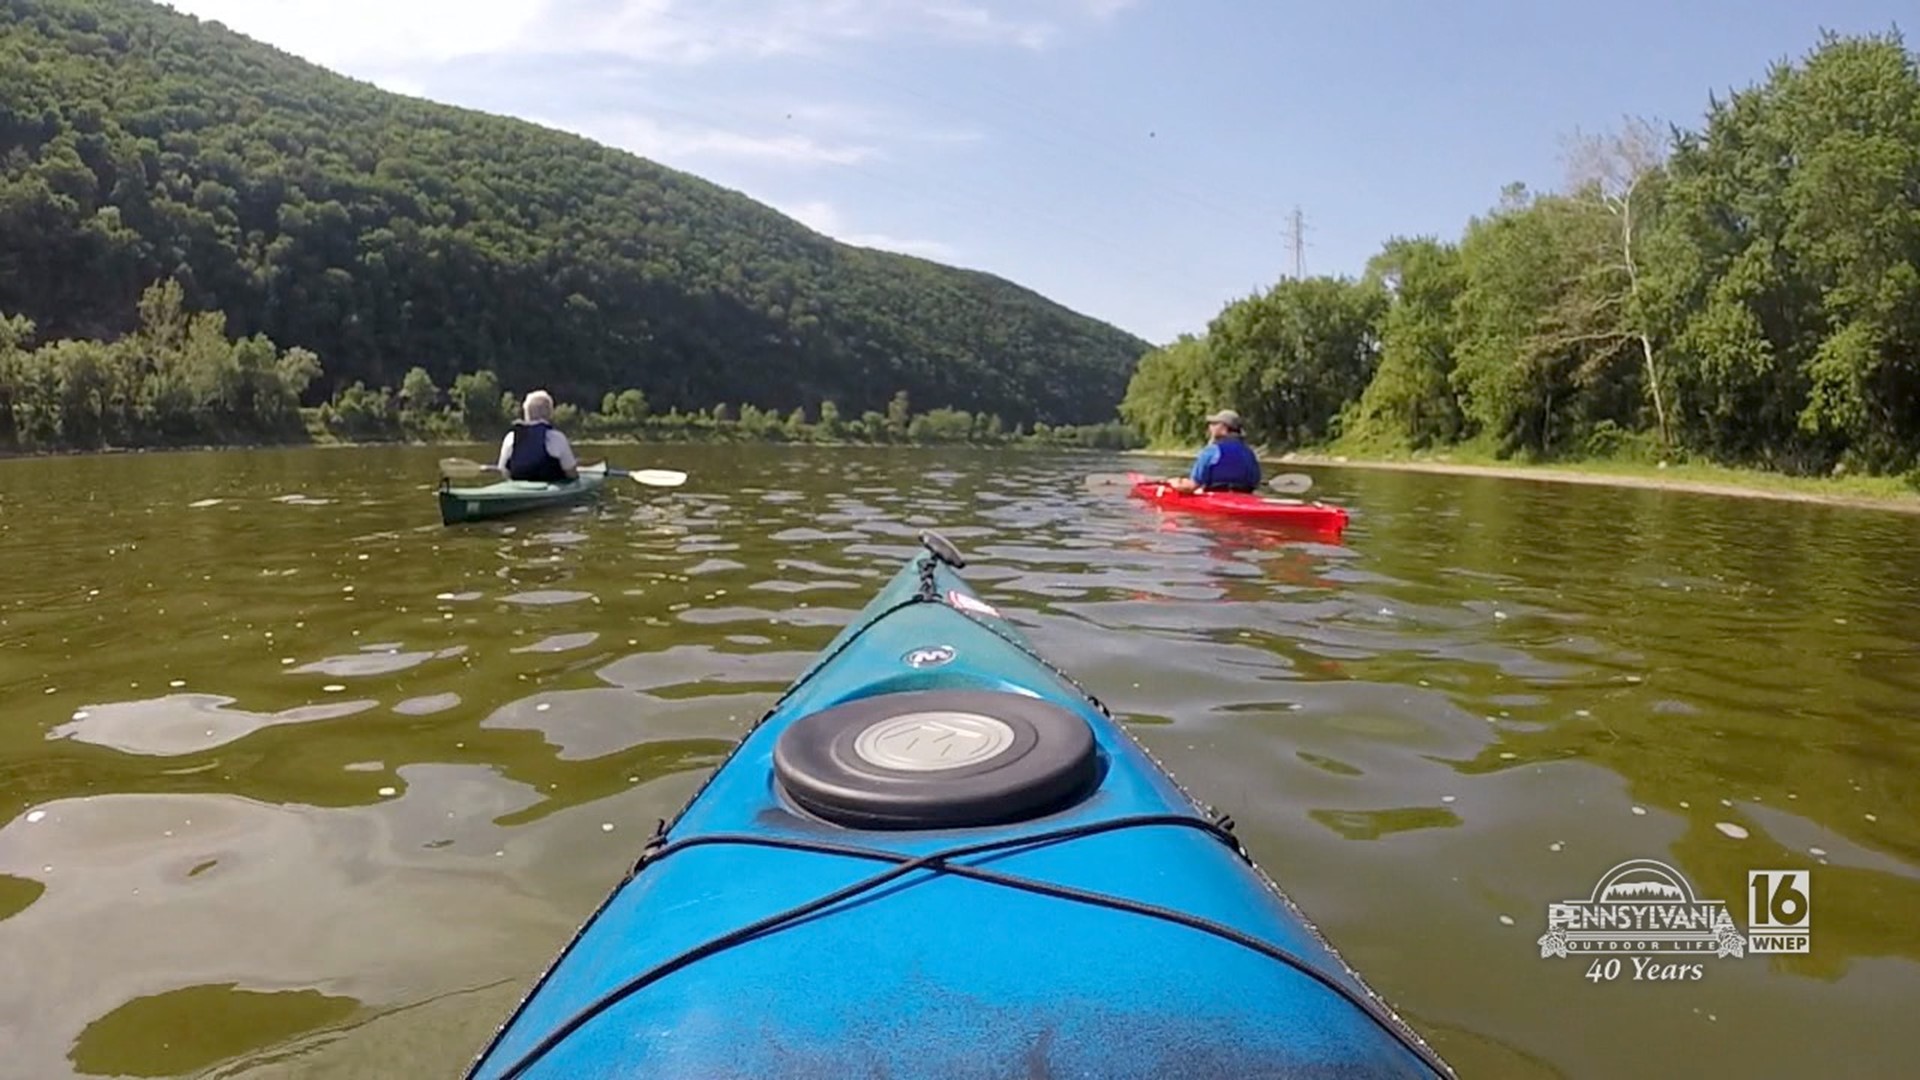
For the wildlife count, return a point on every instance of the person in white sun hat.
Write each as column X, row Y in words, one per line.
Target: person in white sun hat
column 534, row 450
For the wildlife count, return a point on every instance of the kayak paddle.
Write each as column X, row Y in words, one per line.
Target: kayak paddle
column 1291, row 483
column 650, row 477
column 1110, row 481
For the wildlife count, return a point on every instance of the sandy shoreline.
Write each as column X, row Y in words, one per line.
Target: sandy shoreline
column 1905, row 504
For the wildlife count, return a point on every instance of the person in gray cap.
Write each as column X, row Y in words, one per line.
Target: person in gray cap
column 1226, row 463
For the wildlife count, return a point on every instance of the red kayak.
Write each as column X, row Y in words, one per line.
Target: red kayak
column 1308, row 515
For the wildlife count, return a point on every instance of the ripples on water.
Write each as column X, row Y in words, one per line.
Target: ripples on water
column 296, row 781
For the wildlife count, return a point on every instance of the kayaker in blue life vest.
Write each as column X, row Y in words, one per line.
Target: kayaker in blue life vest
column 1226, row 463
column 533, row 450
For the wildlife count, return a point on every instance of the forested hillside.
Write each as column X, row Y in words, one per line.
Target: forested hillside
column 379, row 233
column 1747, row 292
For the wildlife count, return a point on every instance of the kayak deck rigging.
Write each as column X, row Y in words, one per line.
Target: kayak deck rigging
column 941, row 862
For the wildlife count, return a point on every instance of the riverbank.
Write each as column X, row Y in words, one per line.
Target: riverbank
column 326, row 440
column 1861, row 492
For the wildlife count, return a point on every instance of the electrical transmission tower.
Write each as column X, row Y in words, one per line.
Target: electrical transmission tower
column 1296, row 234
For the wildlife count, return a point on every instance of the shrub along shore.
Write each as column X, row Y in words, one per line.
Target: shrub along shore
column 179, row 381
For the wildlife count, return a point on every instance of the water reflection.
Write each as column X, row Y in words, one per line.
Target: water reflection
column 384, row 658
column 166, row 1034
column 186, row 723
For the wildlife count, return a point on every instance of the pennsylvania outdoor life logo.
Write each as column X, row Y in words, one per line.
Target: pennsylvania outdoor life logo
column 1647, row 912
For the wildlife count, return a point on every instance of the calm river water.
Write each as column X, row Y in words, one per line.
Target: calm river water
column 296, row 782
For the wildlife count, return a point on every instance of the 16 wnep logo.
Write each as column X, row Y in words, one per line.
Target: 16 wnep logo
column 1643, row 921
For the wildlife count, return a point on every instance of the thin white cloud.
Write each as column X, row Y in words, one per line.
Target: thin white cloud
column 355, row 34
column 399, row 84
column 822, row 217
column 677, row 144
column 976, row 23
column 696, row 31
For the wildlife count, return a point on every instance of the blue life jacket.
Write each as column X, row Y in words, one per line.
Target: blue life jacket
column 1227, row 464
column 529, row 459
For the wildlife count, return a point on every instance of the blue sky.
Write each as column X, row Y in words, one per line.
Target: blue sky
column 1133, row 159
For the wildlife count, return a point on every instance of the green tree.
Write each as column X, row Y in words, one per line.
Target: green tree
column 1618, row 175
column 1291, row 360
column 483, row 407
column 417, row 390
column 1410, row 401
column 630, row 406
column 1787, row 264
column 1169, row 394
column 1525, row 326
column 899, row 415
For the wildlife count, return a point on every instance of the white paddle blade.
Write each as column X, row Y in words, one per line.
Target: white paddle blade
column 454, row 466
column 1291, row 483
column 658, row 477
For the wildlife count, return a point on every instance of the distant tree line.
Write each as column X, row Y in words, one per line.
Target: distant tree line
column 178, row 379
column 1748, row 293
column 476, row 407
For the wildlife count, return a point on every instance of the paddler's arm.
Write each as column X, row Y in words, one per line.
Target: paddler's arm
column 1201, row 472
column 562, row 451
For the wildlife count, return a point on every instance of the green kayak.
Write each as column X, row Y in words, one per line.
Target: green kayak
column 458, row 504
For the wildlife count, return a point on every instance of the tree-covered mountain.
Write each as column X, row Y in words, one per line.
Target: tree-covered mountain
column 1746, row 292
column 381, row 232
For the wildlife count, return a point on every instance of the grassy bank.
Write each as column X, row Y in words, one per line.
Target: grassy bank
column 1876, row 492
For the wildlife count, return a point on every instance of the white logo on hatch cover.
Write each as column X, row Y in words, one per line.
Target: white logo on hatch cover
column 928, row 656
